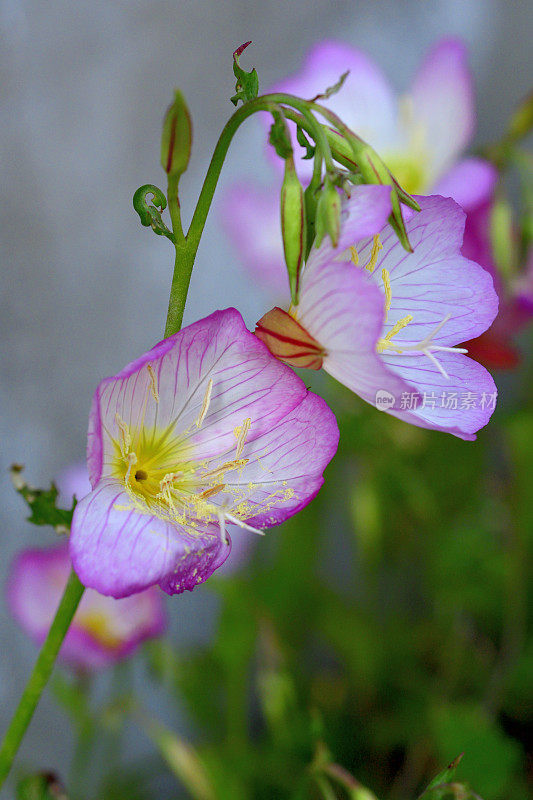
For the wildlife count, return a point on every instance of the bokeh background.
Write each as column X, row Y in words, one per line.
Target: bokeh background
column 85, row 287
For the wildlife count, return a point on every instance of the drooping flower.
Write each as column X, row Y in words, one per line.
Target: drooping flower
column 386, row 323
column 103, row 630
column 205, row 429
column 421, row 137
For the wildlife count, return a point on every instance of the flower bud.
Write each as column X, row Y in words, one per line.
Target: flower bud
column 328, row 214
column 176, row 138
column 293, row 225
column 288, row 340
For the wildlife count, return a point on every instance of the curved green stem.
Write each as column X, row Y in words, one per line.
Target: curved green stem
column 41, row 673
column 187, row 246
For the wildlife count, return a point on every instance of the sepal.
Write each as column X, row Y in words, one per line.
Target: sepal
column 247, row 86
column 288, row 340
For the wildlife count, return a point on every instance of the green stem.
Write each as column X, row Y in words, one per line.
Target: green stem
column 187, row 246
column 41, row 673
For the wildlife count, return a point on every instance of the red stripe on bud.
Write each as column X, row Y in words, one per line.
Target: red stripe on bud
column 288, row 340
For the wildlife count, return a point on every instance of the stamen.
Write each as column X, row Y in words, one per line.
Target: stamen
column 425, row 346
column 388, row 294
column 131, row 460
column 222, row 526
column 226, row 467
column 213, row 490
column 125, row 439
column 385, row 343
column 241, row 433
column 205, row 403
column 243, row 525
column 153, row 382
column 354, row 256
column 376, row 247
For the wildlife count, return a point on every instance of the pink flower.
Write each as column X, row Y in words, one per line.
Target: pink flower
column 103, row 630
column 421, row 137
column 385, row 323
column 203, row 430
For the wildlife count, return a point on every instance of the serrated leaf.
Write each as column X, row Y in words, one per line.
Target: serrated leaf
column 42, row 503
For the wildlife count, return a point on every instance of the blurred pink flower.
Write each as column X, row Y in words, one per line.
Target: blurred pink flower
column 103, row 630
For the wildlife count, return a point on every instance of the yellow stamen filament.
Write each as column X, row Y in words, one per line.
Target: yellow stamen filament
column 376, row 247
column 153, row 382
column 385, row 343
column 125, row 438
column 388, row 294
column 213, row 490
column 229, row 465
column 241, row 432
column 354, row 256
column 205, row 403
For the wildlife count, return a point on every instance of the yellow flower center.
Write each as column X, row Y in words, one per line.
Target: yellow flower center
column 161, row 475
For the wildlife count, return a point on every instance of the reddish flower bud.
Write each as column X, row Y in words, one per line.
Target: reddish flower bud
column 288, row 340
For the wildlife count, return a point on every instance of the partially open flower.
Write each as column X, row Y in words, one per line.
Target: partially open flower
column 103, row 630
column 203, row 430
column 387, row 322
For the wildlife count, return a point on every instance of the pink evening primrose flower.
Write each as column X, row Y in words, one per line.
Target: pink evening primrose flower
column 205, row 429
column 420, row 136
column 385, row 323
column 103, row 630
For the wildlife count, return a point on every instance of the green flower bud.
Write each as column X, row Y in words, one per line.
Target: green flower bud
column 293, row 227
column 328, row 214
column 176, row 138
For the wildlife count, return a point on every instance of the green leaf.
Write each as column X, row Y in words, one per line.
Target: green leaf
column 491, row 757
column 446, row 775
column 42, row 503
column 247, row 86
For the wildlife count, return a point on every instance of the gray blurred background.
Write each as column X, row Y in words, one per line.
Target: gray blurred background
column 84, row 286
